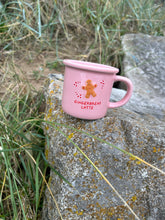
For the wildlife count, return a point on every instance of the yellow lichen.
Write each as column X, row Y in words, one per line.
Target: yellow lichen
column 63, row 153
column 79, row 213
column 75, row 154
column 134, row 198
column 50, row 110
column 132, row 158
column 48, row 116
column 46, row 153
column 70, row 136
column 70, row 210
column 51, row 92
column 85, row 141
column 96, row 163
column 50, row 179
column 154, row 149
column 75, row 206
column 47, row 127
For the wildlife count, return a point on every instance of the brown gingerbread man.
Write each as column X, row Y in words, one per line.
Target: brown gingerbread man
column 89, row 88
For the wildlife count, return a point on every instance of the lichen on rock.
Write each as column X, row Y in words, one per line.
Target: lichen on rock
column 89, row 196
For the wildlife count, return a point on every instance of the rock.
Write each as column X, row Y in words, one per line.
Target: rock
column 144, row 106
column 89, row 196
column 144, row 66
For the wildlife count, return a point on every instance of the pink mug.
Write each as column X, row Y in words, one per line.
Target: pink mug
column 87, row 89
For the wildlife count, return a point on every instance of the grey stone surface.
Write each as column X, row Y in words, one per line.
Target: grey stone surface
column 144, row 65
column 146, row 107
column 90, row 197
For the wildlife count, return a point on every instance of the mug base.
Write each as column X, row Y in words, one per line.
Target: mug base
column 84, row 117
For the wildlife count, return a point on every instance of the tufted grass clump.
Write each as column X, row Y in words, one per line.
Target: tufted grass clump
column 21, row 149
column 87, row 29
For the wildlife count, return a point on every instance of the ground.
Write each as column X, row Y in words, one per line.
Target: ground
column 18, row 71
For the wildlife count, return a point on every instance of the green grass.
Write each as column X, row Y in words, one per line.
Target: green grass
column 21, row 184
column 93, row 27
column 81, row 29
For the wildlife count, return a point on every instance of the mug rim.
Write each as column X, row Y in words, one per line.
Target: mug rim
column 90, row 66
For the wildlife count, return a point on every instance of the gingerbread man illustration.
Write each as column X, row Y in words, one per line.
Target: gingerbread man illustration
column 89, row 88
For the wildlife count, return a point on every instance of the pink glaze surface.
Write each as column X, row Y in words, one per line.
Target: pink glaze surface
column 87, row 89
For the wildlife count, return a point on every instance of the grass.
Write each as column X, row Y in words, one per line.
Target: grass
column 87, row 30
column 92, row 28
column 22, row 181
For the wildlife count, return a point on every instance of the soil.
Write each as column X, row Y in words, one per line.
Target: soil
column 16, row 72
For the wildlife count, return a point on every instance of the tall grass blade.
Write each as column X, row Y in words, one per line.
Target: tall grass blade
column 39, row 18
column 27, row 171
column 132, row 8
column 37, row 188
column 3, row 184
column 20, row 201
column 30, row 28
column 8, row 168
column 48, row 187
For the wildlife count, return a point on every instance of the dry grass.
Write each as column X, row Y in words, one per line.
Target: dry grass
column 89, row 30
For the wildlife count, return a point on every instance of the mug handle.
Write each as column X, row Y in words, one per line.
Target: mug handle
column 127, row 96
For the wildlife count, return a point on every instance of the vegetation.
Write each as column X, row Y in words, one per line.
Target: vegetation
column 80, row 29
column 88, row 29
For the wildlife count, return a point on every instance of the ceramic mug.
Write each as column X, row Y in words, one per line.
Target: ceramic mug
column 87, row 89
